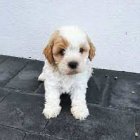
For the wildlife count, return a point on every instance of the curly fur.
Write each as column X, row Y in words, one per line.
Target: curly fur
column 57, row 83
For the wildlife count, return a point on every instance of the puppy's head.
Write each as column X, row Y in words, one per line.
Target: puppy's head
column 68, row 50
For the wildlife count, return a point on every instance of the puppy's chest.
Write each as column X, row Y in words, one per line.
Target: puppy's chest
column 66, row 84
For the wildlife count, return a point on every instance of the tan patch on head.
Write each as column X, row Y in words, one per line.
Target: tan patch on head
column 60, row 45
column 91, row 50
column 55, row 48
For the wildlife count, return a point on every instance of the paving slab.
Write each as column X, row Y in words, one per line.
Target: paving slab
column 10, row 68
column 40, row 89
column 137, row 118
column 102, row 124
column 112, row 96
column 137, row 125
column 7, row 133
column 100, row 78
column 94, row 94
column 126, row 92
column 23, row 112
column 3, row 58
column 3, row 93
column 137, row 134
column 39, row 137
column 27, row 78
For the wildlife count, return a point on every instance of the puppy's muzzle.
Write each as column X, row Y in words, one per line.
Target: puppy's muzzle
column 73, row 65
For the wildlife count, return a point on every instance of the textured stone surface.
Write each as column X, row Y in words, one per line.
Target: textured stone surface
column 27, row 78
column 3, row 58
column 23, row 111
column 137, row 134
column 126, row 92
column 7, row 133
column 102, row 123
column 94, row 94
column 137, row 121
column 3, row 93
column 138, row 117
column 39, row 137
column 40, row 89
column 10, row 68
column 113, row 99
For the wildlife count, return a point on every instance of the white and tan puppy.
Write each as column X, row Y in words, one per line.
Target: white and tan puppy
column 68, row 67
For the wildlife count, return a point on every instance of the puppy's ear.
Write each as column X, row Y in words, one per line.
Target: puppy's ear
column 92, row 49
column 48, row 53
column 48, row 49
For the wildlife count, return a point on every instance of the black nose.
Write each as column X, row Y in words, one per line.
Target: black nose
column 73, row 64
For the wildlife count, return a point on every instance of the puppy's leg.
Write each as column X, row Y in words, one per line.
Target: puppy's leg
column 79, row 107
column 52, row 102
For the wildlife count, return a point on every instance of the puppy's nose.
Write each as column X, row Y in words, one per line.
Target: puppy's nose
column 73, row 64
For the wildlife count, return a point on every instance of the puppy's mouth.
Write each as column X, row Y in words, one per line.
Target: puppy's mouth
column 72, row 72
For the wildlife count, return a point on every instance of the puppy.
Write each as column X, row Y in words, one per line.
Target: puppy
column 67, row 69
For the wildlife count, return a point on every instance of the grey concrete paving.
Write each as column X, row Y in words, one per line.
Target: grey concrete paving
column 113, row 99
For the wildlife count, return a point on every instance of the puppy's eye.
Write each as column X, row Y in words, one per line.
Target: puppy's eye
column 62, row 52
column 81, row 50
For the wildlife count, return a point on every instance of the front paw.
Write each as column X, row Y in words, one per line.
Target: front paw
column 80, row 112
column 51, row 111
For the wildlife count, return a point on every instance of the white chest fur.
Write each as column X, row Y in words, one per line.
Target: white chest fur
column 65, row 83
